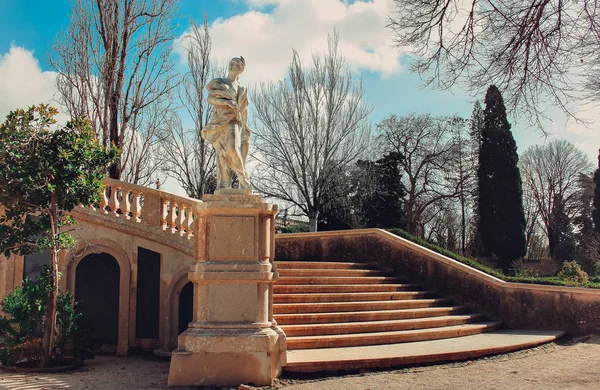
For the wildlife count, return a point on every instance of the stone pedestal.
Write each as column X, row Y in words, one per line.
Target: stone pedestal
column 233, row 338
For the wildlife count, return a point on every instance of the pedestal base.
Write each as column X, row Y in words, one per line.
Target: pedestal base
column 233, row 191
column 228, row 357
column 233, row 338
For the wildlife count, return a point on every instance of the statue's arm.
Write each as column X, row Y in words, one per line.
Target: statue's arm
column 218, row 95
column 209, row 133
column 220, row 101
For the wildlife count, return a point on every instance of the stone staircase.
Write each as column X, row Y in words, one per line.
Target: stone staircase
column 344, row 316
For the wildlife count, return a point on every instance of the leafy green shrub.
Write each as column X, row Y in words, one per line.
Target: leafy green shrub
column 555, row 281
column 573, row 272
column 443, row 251
column 22, row 330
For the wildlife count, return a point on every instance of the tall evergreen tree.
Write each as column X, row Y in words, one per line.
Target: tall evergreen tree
column 475, row 129
column 560, row 232
column 596, row 211
column 583, row 222
column 371, row 197
column 501, row 215
column 383, row 207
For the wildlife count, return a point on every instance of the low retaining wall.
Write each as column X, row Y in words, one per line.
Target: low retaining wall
column 519, row 305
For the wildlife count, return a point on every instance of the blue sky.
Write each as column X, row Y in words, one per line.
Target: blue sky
column 264, row 31
column 32, row 24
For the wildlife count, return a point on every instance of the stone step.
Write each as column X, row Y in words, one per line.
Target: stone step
column 322, row 265
column 379, row 326
column 380, row 315
column 329, row 307
column 403, row 336
column 343, row 288
column 422, row 352
column 327, row 272
column 339, row 280
column 351, row 297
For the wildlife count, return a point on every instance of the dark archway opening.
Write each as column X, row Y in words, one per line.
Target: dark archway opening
column 97, row 280
column 186, row 306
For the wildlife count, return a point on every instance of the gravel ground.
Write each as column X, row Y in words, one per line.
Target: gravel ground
column 572, row 365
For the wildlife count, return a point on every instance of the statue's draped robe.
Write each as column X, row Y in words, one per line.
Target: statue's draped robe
column 228, row 131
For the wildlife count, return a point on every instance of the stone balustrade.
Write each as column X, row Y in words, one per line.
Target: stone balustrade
column 173, row 213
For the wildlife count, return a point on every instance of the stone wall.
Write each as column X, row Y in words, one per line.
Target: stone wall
column 518, row 305
column 121, row 238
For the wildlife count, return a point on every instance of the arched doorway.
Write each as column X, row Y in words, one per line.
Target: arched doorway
column 186, row 306
column 97, row 280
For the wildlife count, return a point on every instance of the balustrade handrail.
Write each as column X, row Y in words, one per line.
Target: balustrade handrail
column 144, row 205
column 149, row 190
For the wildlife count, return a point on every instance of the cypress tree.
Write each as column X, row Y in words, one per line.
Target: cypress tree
column 596, row 210
column 476, row 126
column 501, row 215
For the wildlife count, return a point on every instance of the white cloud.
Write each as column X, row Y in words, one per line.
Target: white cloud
column 266, row 39
column 22, row 81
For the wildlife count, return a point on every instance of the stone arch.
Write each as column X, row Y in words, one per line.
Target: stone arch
column 179, row 281
column 113, row 249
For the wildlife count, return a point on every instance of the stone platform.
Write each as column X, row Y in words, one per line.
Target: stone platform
column 422, row 352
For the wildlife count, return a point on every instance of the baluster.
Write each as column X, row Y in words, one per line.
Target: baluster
column 163, row 213
column 136, row 209
column 181, row 219
column 173, row 217
column 104, row 200
column 114, row 201
column 189, row 222
column 127, row 202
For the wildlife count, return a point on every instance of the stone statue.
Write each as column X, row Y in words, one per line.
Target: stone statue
column 227, row 130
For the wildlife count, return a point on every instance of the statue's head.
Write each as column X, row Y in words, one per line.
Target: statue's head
column 237, row 64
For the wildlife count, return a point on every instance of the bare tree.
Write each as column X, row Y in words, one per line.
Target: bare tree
column 429, row 149
column 308, row 129
column 551, row 176
column 444, row 226
column 531, row 219
column 189, row 159
column 114, row 66
column 141, row 149
column 535, row 51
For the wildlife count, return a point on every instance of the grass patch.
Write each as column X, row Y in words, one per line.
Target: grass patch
column 473, row 263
